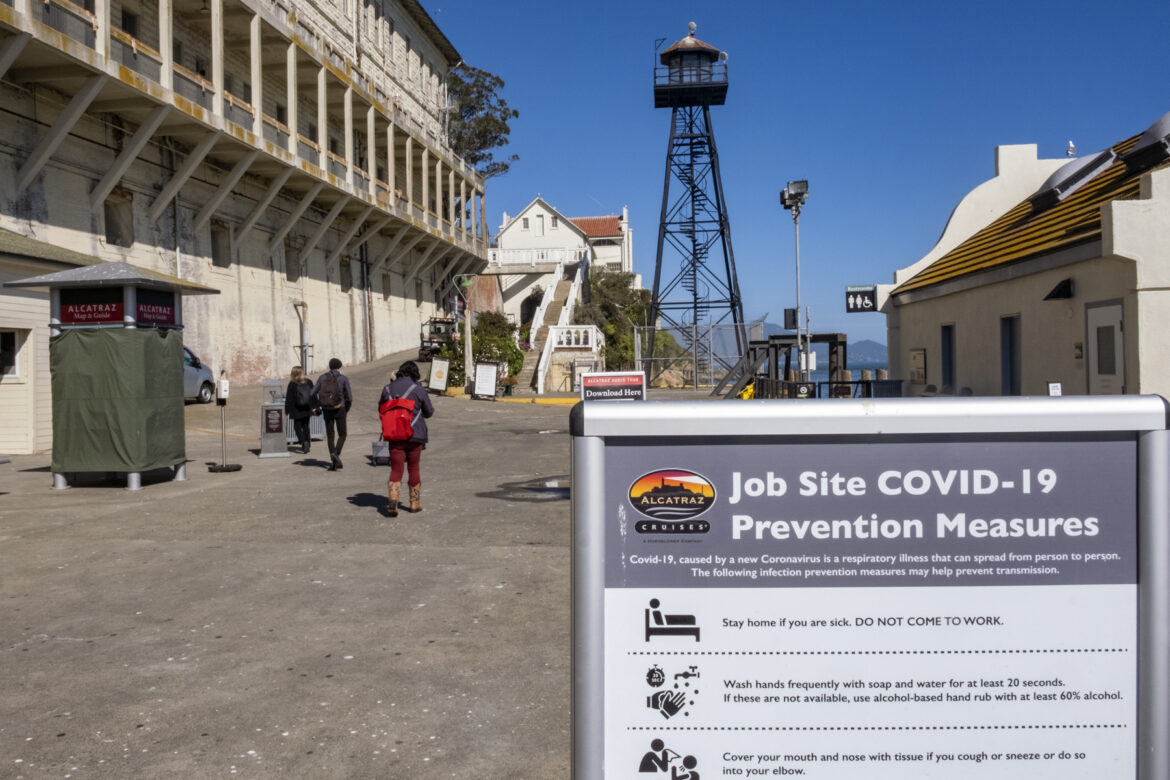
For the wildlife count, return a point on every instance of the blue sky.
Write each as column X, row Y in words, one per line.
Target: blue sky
column 892, row 111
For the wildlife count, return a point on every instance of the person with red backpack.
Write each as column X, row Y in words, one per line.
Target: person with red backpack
column 404, row 407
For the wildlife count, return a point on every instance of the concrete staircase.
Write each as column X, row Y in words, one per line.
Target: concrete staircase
column 526, row 379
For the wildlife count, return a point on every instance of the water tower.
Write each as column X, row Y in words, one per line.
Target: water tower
column 695, row 286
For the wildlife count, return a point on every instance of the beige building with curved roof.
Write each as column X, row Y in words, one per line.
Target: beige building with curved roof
column 1054, row 277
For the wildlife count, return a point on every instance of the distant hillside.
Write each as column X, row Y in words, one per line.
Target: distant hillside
column 867, row 351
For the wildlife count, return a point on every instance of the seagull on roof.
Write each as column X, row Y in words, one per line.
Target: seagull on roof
column 1071, row 151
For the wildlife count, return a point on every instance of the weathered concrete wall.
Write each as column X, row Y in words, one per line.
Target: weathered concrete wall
column 250, row 330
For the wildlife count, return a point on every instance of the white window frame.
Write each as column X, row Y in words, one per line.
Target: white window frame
column 17, row 343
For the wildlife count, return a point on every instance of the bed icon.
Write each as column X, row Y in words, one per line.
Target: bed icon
column 658, row 624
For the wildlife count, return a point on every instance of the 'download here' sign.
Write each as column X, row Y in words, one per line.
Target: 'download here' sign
column 884, row 591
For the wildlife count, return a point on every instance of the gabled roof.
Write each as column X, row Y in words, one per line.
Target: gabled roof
column 600, row 227
column 1026, row 232
column 539, row 200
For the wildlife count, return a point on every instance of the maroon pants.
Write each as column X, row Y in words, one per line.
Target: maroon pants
column 408, row 453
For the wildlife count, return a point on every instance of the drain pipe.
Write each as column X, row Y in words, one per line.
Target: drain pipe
column 302, row 309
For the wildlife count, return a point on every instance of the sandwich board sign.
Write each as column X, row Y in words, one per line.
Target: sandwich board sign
column 885, row 588
column 437, row 382
column 485, row 380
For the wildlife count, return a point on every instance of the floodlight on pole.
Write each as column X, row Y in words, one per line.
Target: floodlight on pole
column 792, row 198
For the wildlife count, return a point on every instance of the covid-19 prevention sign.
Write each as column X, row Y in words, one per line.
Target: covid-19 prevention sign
column 928, row 588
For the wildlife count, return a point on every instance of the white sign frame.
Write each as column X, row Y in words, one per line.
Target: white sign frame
column 603, row 521
column 485, row 380
column 437, row 381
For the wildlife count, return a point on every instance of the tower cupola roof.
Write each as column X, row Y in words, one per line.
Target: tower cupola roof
column 689, row 45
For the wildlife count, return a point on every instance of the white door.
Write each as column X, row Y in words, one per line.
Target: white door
column 1105, row 349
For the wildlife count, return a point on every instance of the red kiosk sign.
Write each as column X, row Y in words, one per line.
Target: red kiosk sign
column 95, row 306
column 103, row 305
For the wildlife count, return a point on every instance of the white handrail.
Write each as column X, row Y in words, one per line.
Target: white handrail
column 538, row 315
column 542, row 364
column 567, row 337
column 575, row 290
column 530, row 257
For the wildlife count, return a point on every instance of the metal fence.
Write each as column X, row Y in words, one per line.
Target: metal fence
column 699, row 357
column 861, row 388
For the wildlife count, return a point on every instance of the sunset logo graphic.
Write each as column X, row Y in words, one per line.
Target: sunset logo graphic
column 672, row 495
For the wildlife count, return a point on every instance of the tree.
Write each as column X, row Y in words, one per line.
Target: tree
column 615, row 308
column 479, row 119
column 494, row 343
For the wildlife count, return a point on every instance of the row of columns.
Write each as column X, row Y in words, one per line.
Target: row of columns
column 470, row 220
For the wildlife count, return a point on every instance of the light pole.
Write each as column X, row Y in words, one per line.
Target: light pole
column 792, row 198
column 462, row 282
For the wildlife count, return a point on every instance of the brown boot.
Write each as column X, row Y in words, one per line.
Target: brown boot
column 415, row 490
column 392, row 510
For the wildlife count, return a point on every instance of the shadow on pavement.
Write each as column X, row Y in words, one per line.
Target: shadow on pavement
column 538, row 490
column 368, row 501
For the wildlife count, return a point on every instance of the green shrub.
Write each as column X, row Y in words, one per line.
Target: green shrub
column 493, row 343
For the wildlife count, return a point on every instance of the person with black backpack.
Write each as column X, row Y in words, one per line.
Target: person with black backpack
column 404, row 407
column 300, row 405
column 335, row 397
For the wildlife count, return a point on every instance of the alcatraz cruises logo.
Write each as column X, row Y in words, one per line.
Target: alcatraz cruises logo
column 672, row 498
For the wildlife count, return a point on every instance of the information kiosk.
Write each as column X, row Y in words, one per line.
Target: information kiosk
column 887, row 588
column 116, row 357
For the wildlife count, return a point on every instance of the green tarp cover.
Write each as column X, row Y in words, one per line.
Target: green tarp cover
column 117, row 400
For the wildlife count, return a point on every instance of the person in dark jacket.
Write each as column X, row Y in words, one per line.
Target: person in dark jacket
column 335, row 396
column 300, row 405
column 408, row 453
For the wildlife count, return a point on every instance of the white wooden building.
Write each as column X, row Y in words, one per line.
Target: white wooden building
column 538, row 247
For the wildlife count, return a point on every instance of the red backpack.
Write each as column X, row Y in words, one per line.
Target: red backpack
column 397, row 415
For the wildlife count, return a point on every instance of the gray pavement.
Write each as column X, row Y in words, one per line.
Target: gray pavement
column 274, row 623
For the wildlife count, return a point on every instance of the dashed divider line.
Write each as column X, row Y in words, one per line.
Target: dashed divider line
column 1022, row 727
column 1050, row 651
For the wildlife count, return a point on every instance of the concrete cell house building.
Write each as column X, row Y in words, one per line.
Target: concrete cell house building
column 1054, row 276
column 541, row 266
column 288, row 153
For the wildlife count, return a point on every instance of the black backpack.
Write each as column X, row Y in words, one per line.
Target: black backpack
column 330, row 392
column 304, row 396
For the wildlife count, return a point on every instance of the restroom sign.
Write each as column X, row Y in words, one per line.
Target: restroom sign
column 882, row 587
column 859, row 299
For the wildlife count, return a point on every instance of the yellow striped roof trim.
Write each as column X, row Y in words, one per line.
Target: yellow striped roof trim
column 1019, row 234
